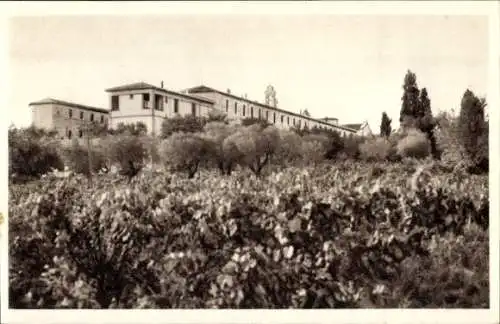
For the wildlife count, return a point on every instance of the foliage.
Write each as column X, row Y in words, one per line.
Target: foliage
column 185, row 124
column 416, row 111
column 134, row 129
column 251, row 121
column 414, row 145
column 254, row 146
column 473, row 130
column 129, row 152
column 385, row 125
column 32, row 153
column 325, row 237
column 185, row 152
column 76, row 158
column 375, row 149
column 223, row 154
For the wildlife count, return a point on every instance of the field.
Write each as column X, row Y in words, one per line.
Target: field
column 343, row 235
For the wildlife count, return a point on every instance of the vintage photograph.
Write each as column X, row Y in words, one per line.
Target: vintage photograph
column 248, row 162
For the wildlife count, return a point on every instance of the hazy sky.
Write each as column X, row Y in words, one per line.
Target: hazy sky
column 349, row 67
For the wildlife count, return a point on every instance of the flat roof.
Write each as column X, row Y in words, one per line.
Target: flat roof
column 147, row 86
column 202, row 88
column 67, row 103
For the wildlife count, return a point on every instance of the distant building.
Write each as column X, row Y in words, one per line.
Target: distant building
column 151, row 105
column 362, row 129
column 143, row 102
column 65, row 117
column 236, row 107
column 331, row 120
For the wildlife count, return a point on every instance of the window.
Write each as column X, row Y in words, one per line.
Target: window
column 80, row 133
column 267, row 115
column 293, row 122
column 227, row 105
column 176, row 106
column 244, row 110
column 282, row 118
column 145, row 101
column 274, row 118
column 70, row 113
column 81, row 114
column 166, row 99
column 102, row 119
column 91, row 117
column 288, row 120
column 131, row 96
column 251, row 112
column 300, row 122
column 260, row 113
column 236, row 108
column 69, row 133
column 193, row 109
column 158, row 102
column 115, row 103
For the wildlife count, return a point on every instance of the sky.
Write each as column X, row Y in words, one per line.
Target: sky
column 348, row 67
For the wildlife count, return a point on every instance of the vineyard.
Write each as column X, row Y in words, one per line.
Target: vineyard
column 338, row 235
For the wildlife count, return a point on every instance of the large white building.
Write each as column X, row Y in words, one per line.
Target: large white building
column 151, row 105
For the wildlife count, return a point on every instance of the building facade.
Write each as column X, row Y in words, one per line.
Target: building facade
column 151, row 105
column 143, row 102
column 238, row 108
column 362, row 129
column 67, row 118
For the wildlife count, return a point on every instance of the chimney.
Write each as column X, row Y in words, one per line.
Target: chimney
column 162, row 84
column 228, row 91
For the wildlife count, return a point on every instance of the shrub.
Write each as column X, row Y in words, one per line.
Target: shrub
column 134, row 129
column 315, row 148
column 76, row 158
column 30, row 156
column 129, row 152
column 254, row 146
column 185, row 152
column 288, row 151
column 224, row 157
column 184, row 124
column 414, row 145
column 375, row 149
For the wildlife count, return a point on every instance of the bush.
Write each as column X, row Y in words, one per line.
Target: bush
column 300, row 238
column 288, row 152
column 414, row 145
column 30, row 155
column 254, row 146
column 185, row 124
column 223, row 156
column 76, row 159
column 129, row 152
column 375, row 149
column 314, row 148
column 185, row 152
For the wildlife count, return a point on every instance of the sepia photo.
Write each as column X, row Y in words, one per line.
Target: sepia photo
column 244, row 160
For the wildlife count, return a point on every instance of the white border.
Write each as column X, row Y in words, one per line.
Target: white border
column 490, row 8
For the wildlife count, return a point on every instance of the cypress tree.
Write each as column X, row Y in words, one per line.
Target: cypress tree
column 385, row 125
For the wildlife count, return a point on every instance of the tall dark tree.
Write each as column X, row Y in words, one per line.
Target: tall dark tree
column 410, row 100
column 416, row 111
column 385, row 125
column 473, row 130
column 426, row 122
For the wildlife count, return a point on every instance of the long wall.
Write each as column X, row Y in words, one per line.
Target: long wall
column 240, row 108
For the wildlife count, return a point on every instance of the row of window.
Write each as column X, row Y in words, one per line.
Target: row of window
column 70, row 115
column 251, row 115
column 158, row 103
